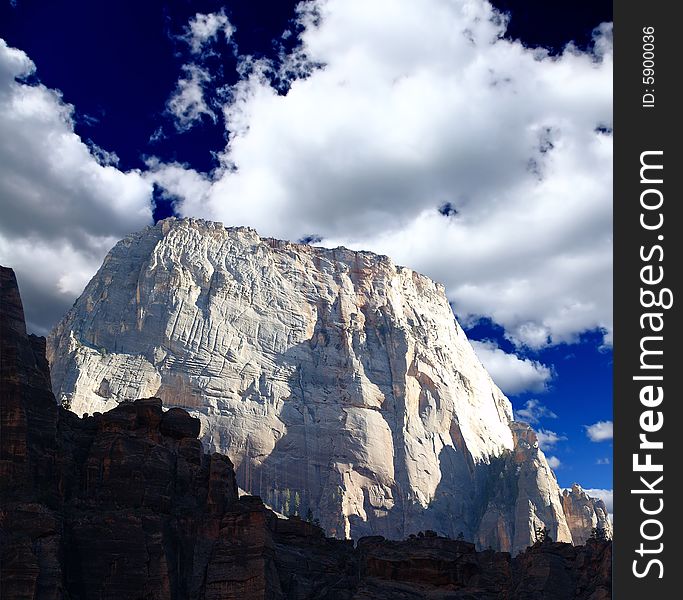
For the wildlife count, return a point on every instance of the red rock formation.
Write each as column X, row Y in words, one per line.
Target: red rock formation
column 126, row 505
column 555, row 570
column 585, row 514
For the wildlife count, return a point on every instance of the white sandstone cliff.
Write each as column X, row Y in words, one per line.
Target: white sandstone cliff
column 336, row 381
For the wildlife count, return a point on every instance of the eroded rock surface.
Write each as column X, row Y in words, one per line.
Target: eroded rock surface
column 336, row 381
column 523, row 492
column 585, row 514
column 126, row 505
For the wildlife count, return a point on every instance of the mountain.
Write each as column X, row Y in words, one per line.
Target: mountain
column 584, row 514
column 125, row 505
column 339, row 384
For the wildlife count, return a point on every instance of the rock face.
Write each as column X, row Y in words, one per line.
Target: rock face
column 524, row 494
column 336, row 381
column 584, row 514
column 125, row 505
column 437, row 567
column 28, row 417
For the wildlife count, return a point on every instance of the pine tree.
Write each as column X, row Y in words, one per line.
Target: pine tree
column 599, row 533
column 543, row 535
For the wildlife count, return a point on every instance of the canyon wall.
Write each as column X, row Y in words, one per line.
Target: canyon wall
column 337, row 382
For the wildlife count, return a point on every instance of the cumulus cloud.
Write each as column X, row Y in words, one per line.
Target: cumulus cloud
column 511, row 373
column 63, row 203
column 104, row 157
column 548, row 439
column 203, row 29
column 554, row 462
column 188, row 104
column 602, row 461
column 386, row 112
column 533, row 412
column 600, row 431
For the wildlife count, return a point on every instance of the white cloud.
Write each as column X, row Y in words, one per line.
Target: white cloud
column 420, row 104
column 63, row 204
column 511, row 373
column 548, row 439
column 187, row 103
column 157, row 135
column 602, row 461
column 607, row 496
column 600, row 431
column 203, row 29
column 103, row 156
column 533, row 412
column 554, row 462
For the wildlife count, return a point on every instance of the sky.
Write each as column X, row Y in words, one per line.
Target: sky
column 469, row 141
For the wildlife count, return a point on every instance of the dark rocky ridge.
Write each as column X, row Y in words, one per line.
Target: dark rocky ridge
column 125, row 505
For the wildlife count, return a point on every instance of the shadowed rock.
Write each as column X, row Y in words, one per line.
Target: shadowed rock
column 335, row 380
column 126, row 505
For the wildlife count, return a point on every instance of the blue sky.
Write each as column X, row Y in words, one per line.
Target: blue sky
column 470, row 144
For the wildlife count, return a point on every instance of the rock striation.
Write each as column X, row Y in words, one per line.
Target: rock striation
column 126, row 504
column 522, row 493
column 585, row 514
column 337, row 382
